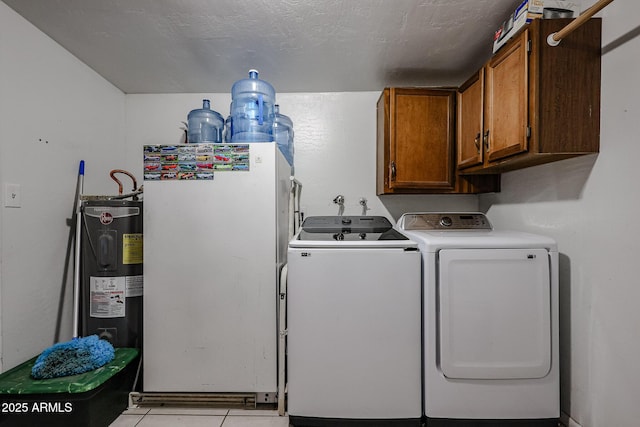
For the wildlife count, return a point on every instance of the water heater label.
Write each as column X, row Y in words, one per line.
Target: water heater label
column 107, row 297
column 134, row 286
column 132, row 248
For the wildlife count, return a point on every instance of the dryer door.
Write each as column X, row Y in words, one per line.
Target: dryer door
column 495, row 316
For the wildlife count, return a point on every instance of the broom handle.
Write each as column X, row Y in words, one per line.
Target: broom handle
column 77, row 258
column 555, row 38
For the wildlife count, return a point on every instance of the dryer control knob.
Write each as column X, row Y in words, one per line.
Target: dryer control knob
column 446, row 221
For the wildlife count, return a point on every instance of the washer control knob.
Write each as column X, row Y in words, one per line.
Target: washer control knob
column 346, row 220
column 446, row 221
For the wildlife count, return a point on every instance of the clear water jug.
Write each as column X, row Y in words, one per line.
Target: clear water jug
column 226, row 134
column 204, row 124
column 252, row 110
column 283, row 134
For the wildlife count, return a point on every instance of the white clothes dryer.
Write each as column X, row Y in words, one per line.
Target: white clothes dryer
column 490, row 322
column 354, row 327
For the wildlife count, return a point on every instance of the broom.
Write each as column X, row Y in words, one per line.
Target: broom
column 78, row 355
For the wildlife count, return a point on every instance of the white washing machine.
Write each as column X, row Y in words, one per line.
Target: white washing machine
column 354, row 325
column 490, row 322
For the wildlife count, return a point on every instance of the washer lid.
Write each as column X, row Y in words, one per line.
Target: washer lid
column 346, row 224
column 348, row 228
column 350, row 231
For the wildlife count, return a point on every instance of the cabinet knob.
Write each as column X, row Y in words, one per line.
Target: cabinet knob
column 477, row 142
column 392, row 167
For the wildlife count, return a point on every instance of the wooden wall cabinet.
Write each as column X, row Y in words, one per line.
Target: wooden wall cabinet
column 532, row 103
column 470, row 130
column 416, row 144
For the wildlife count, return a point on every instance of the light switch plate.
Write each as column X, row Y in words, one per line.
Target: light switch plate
column 12, row 198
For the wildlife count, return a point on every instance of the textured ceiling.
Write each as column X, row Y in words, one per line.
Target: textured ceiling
column 184, row 46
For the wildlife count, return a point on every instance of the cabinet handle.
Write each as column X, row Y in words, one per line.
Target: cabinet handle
column 477, row 142
column 392, row 166
column 485, row 140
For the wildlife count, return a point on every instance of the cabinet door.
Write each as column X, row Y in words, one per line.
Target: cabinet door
column 421, row 138
column 470, row 116
column 506, row 120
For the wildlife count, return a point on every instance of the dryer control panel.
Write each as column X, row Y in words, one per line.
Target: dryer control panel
column 444, row 221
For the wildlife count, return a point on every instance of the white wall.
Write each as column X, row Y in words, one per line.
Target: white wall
column 335, row 147
column 591, row 207
column 54, row 111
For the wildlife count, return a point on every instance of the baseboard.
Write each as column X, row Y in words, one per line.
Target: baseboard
column 567, row 421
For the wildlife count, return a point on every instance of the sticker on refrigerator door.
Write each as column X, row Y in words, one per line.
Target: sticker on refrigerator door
column 193, row 161
column 107, row 297
column 231, row 157
column 176, row 163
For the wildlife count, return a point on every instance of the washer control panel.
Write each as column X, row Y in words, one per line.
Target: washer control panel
column 444, row 221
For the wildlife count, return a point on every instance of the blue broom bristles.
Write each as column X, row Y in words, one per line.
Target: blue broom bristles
column 73, row 357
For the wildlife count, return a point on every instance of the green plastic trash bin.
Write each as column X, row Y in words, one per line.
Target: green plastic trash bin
column 92, row 399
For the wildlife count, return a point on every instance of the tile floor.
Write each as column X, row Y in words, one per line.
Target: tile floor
column 209, row 417
column 196, row 417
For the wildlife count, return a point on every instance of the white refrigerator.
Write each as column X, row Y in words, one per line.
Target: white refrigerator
column 214, row 245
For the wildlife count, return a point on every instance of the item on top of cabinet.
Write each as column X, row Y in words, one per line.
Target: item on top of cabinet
column 556, row 13
column 529, row 10
column 283, row 134
column 554, row 39
column 226, row 133
column 252, row 110
column 204, row 124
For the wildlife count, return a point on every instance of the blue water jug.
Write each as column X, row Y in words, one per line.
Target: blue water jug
column 226, row 134
column 252, row 110
column 283, row 134
column 204, row 124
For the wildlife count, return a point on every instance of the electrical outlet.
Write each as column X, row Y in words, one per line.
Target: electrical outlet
column 12, row 197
